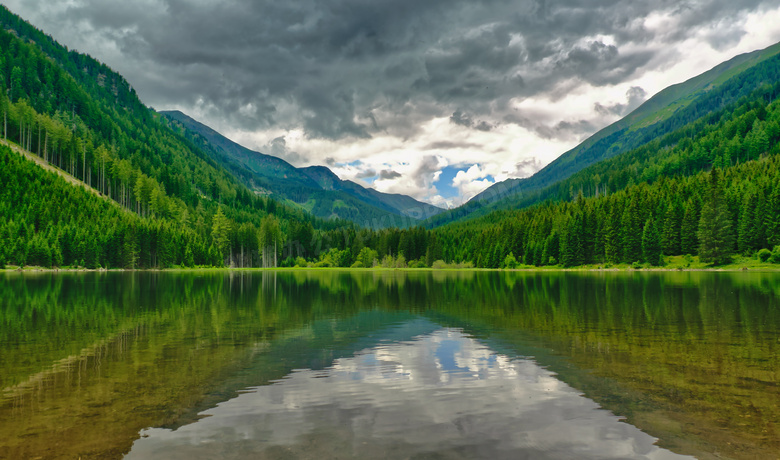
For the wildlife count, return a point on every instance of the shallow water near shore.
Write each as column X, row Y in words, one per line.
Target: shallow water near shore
column 331, row 364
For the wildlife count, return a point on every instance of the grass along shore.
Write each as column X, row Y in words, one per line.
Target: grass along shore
column 671, row 263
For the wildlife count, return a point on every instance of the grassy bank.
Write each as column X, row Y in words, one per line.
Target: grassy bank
column 679, row 263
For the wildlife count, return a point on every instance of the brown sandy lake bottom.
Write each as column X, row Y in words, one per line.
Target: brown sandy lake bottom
column 396, row 365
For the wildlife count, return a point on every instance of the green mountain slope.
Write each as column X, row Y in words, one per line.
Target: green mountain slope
column 709, row 189
column 403, row 204
column 78, row 115
column 667, row 111
column 315, row 188
column 157, row 197
column 162, row 199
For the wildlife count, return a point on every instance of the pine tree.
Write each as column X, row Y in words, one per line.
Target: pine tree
column 772, row 218
column 166, row 249
column 689, row 240
column 538, row 252
column 651, row 245
column 16, row 84
column 528, row 257
column 270, row 237
column 588, row 230
column 189, row 256
column 761, row 209
column 434, row 251
column 92, row 256
column 672, row 228
column 612, row 236
column 571, row 247
column 220, row 234
column 495, row 256
column 19, row 252
column 632, row 231
column 747, row 233
column 716, row 239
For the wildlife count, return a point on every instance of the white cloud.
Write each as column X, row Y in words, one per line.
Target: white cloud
column 399, row 96
column 395, row 400
column 471, row 182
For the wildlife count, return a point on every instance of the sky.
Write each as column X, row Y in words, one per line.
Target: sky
column 440, row 392
column 436, row 99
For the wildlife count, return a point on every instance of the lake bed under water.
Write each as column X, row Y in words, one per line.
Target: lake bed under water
column 390, row 364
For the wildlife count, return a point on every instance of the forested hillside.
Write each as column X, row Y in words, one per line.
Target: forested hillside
column 714, row 215
column 48, row 221
column 77, row 114
column 315, row 188
column 659, row 199
column 655, row 125
column 145, row 196
column 710, row 189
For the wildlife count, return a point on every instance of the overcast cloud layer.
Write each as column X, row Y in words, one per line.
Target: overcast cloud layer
column 390, row 92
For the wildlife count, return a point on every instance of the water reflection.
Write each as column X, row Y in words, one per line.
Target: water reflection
column 439, row 395
column 690, row 358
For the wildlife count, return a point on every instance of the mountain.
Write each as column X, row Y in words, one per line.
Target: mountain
column 315, row 188
column 163, row 201
column 667, row 111
column 115, row 184
column 404, row 204
column 707, row 189
column 156, row 194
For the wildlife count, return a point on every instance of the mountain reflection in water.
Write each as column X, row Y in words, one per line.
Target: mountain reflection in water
column 438, row 394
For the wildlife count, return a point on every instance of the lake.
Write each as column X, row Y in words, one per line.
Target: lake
column 389, row 364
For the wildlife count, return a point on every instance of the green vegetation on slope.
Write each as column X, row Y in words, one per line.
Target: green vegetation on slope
column 717, row 91
column 80, row 116
column 176, row 205
column 714, row 215
column 332, row 197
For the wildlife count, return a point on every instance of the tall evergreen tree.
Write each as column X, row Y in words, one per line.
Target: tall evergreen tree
column 651, row 244
column 747, row 234
column 270, row 238
column 551, row 250
column 632, row 231
column 612, row 236
column 772, row 218
column 220, row 233
column 689, row 228
column 672, row 228
column 716, row 239
column 572, row 252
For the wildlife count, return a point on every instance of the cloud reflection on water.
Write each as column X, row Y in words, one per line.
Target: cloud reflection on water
column 440, row 395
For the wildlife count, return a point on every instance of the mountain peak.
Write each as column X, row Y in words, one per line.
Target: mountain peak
column 315, row 188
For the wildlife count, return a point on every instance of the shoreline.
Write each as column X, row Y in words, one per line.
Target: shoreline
column 726, row 268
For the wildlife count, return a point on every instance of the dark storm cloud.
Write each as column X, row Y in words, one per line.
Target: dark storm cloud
column 449, row 145
column 368, row 173
column 562, row 130
column 278, row 148
column 634, row 97
column 352, row 69
column 385, row 174
column 423, row 175
column 389, row 174
column 459, row 118
column 527, row 167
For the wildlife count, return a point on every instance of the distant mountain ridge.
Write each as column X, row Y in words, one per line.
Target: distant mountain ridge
column 315, row 188
column 668, row 110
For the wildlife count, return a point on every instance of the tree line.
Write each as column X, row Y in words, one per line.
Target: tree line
column 708, row 188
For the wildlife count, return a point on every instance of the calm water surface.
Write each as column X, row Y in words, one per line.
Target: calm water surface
column 328, row 364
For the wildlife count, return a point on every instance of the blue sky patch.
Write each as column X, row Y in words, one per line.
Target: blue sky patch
column 444, row 184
